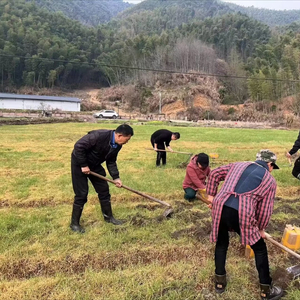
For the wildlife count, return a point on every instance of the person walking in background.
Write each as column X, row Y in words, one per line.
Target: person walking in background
column 88, row 155
column 197, row 172
column 244, row 204
column 161, row 139
column 296, row 147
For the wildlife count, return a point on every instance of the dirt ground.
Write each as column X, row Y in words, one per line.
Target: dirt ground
column 196, row 222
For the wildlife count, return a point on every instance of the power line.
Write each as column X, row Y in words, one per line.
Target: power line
column 147, row 69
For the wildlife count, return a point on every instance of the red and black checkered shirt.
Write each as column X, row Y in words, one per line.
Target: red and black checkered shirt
column 255, row 206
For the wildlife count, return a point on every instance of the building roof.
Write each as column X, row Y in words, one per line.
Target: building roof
column 37, row 97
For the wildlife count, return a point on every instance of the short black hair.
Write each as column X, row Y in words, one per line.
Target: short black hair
column 203, row 159
column 177, row 135
column 125, row 130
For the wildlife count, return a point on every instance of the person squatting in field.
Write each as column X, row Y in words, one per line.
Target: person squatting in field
column 159, row 139
column 244, row 204
column 88, row 155
column 197, row 172
column 295, row 148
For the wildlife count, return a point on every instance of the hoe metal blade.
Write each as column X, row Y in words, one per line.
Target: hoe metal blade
column 294, row 271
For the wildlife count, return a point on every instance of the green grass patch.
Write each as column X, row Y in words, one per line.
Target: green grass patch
column 149, row 257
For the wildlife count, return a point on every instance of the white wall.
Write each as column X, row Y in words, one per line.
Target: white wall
column 39, row 104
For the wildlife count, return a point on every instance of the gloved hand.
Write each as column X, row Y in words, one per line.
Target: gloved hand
column 201, row 195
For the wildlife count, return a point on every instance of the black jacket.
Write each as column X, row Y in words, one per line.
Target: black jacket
column 94, row 148
column 162, row 136
column 296, row 146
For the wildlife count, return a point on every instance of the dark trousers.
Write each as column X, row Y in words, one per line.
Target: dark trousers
column 296, row 168
column 81, row 188
column 161, row 155
column 189, row 194
column 230, row 222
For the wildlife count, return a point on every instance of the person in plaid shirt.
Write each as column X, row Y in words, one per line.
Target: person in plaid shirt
column 244, row 204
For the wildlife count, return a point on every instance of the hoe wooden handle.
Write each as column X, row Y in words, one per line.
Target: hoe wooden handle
column 269, row 238
column 203, row 200
column 132, row 190
column 169, row 151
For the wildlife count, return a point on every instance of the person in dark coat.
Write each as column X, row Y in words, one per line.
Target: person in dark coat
column 161, row 139
column 88, row 155
column 244, row 204
column 197, row 171
column 296, row 147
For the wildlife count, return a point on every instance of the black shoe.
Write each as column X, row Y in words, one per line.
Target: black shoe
column 76, row 214
column 270, row 291
column 220, row 283
column 77, row 228
column 113, row 220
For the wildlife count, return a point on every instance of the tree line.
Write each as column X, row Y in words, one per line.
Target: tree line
column 45, row 49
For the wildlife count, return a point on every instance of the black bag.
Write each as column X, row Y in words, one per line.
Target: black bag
column 296, row 168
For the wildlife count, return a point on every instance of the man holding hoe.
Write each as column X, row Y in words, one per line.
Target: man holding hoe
column 244, row 204
column 158, row 140
column 295, row 148
column 88, row 155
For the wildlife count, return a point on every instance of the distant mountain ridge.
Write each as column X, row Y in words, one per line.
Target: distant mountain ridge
column 211, row 8
column 90, row 13
column 195, row 9
column 97, row 12
column 270, row 17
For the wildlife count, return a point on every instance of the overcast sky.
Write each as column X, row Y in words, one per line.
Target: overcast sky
column 271, row 4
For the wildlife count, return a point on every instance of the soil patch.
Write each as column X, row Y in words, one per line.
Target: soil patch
column 51, row 202
column 33, row 204
column 141, row 221
column 276, row 226
column 286, row 208
column 184, row 212
column 282, row 278
column 149, row 207
column 295, row 222
column 199, row 231
column 26, row 268
column 192, row 216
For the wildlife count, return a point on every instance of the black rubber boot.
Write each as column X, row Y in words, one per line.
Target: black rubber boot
column 220, row 283
column 158, row 159
column 107, row 214
column 269, row 291
column 76, row 214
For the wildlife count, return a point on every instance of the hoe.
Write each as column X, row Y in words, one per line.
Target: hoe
column 181, row 165
column 185, row 163
column 167, row 213
column 293, row 270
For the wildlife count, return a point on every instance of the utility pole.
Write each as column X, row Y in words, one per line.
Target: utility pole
column 159, row 102
column 118, row 105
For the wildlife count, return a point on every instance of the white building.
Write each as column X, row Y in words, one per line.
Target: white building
column 35, row 102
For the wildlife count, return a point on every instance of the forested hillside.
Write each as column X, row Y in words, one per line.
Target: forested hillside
column 159, row 15
column 38, row 48
column 91, row 12
column 270, row 17
column 175, row 12
column 45, row 49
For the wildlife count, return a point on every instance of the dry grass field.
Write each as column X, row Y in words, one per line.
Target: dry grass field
column 149, row 257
